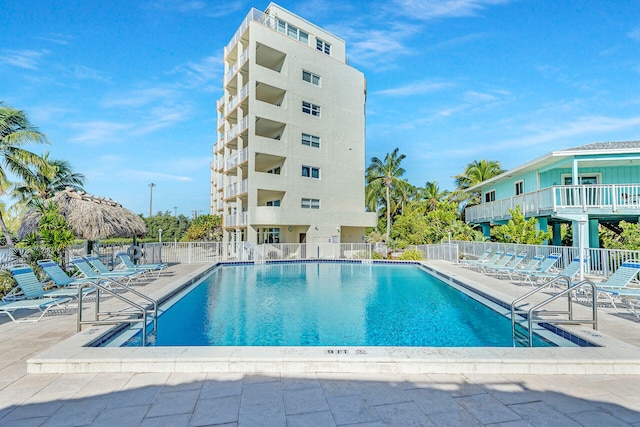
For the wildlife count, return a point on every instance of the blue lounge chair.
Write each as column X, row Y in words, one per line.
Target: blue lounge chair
column 530, row 267
column 129, row 264
column 486, row 261
column 500, row 263
column 543, row 270
column 103, row 269
column 511, row 264
column 617, row 285
column 42, row 304
column 482, row 258
column 59, row 277
column 90, row 273
column 29, row 287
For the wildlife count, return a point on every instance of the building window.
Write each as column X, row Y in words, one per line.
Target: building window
column 293, row 32
column 273, row 203
column 323, row 46
column 311, row 140
column 519, row 188
column 308, row 76
column 583, row 179
column 490, row 196
column 310, row 172
column 269, row 235
column 310, row 203
column 310, row 108
column 275, row 170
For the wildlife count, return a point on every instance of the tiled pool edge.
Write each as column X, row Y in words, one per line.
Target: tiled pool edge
column 72, row 356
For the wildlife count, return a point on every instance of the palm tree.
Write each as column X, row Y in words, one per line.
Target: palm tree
column 431, row 194
column 386, row 174
column 475, row 173
column 48, row 179
column 16, row 131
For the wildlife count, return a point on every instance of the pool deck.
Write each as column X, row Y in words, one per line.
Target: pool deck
column 603, row 389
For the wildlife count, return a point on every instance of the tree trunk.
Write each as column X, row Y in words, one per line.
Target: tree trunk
column 5, row 231
column 388, row 215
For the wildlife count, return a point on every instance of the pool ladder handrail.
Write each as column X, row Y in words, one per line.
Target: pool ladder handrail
column 533, row 314
column 143, row 310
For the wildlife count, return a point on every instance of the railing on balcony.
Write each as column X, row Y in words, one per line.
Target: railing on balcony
column 239, row 63
column 614, row 198
column 236, row 188
column 238, row 158
column 219, row 103
column 233, row 102
column 235, row 220
column 238, row 128
column 218, row 145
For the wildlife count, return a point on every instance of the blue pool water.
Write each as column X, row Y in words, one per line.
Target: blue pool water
column 328, row 304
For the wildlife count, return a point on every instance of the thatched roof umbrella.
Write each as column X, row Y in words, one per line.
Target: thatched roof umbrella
column 90, row 217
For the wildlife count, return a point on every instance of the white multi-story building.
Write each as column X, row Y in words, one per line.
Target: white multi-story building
column 289, row 162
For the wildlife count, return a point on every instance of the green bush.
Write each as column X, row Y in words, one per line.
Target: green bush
column 412, row 255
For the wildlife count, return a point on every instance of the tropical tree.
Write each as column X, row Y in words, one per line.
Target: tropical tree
column 519, row 230
column 476, row 172
column 16, row 131
column 46, row 180
column 205, row 227
column 431, row 195
column 384, row 176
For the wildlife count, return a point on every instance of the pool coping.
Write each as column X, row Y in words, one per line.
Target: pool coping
column 609, row 356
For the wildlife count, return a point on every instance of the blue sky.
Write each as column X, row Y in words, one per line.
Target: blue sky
column 126, row 90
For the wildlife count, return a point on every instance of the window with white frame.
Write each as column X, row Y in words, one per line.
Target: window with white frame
column 275, row 171
column 584, row 179
column 269, row 235
column 310, row 172
column 310, row 203
column 310, row 77
column 309, row 108
column 293, row 32
column 273, row 203
column 323, row 46
column 311, row 140
column 490, row 196
column 519, row 188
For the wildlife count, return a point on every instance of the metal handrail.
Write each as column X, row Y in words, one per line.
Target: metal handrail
column 533, row 313
column 102, row 288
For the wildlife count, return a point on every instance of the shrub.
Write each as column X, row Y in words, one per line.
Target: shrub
column 412, row 255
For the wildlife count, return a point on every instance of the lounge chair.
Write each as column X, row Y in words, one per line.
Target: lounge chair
column 486, row 261
column 29, row 287
column 530, row 267
column 511, row 264
column 617, row 285
column 103, row 269
column 129, row 264
column 500, row 263
column 90, row 273
column 543, row 270
column 42, row 304
column 482, row 258
column 59, row 277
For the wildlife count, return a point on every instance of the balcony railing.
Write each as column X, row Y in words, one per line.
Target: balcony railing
column 235, row 220
column 236, row 188
column 238, row 158
column 574, row 198
column 233, row 102
column 239, row 63
column 238, row 128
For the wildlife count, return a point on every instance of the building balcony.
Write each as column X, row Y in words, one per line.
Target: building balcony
column 236, row 189
column 234, row 69
column 235, row 100
column 237, row 129
column 604, row 200
column 237, row 158
column 235, row 220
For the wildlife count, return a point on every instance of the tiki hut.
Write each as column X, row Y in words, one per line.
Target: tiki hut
column 90, row 217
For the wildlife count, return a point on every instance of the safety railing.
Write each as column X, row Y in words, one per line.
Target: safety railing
column 140, row 313
column 535, row 314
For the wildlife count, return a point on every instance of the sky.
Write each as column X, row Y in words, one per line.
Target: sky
column 126, row 90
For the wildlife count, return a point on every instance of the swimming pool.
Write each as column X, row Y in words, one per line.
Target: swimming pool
column 326, row 304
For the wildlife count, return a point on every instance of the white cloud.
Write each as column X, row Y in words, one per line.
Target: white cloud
column 417, row 88
column 141, row 97
column 98, row 132
column 27, row 59
column 432, row 9
column 634, row 34
column 57, row 38
column 202, row 73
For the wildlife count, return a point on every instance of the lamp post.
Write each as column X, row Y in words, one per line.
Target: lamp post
column 175, row 211
column 151, row 198
column 160, row 241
